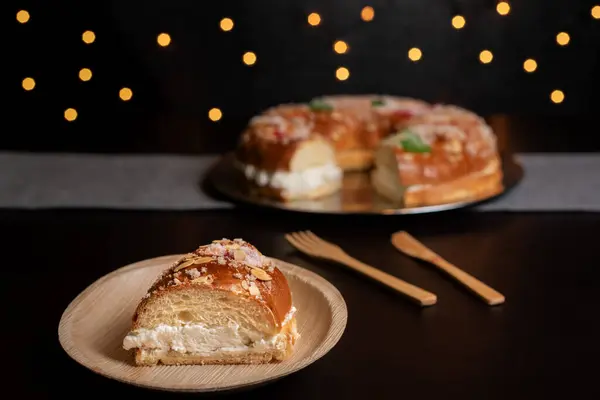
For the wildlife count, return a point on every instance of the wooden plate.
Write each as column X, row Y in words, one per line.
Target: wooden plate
column 356, row 196
column 92, row 328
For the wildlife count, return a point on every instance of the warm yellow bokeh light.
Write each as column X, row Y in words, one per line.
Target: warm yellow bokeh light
column 70, row 114
column 249, row 58
column 340, row 47
column 314, row 19
column 458, row 22
column 596, row 12
column 85, row 74
column 28, row 83
column 530, row 65
column 503, row 8
column 557, row 96
column 367, row 13
column 214, row 114
column 88, row 37
column 125, row 94
column 342, row 73
column 164, row 39
column 415, row 54
column 486, row 56
column 23, row 16
column 226, row 24
column 563, row 38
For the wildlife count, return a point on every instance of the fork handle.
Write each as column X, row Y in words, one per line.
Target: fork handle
column 415, row 293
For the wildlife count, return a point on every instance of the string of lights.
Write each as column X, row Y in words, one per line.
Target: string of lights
column 315, row 20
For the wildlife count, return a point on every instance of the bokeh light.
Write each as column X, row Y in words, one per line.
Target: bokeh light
column 503, row 8
column 214, row 114
column 23, row 16
column 342, row 73
column 164, row 39
column 340, row 47
column 28, row 83
column 314, row 19
column 530, row 65
column 70, row 114
column 125, row 94
column 226, row 24
column 563, row 38
column 85, row 74
column 415, row 54
column 367, row 14
column 557, row 96
column 458, row 22
column 249, row 58
column 486, row 56
column 88, row 37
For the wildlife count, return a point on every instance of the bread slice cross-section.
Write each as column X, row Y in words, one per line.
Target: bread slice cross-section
column 224, row 303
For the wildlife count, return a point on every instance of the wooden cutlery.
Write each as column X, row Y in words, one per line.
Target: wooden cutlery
column 407, row 244
column 312, row 245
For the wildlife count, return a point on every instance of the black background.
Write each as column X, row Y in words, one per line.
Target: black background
column 175, row 86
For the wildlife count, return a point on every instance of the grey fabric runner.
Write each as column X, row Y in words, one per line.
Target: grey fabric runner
column 552, row 182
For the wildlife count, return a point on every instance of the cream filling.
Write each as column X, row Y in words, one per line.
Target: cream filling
column 201, row 339
column 295, row 182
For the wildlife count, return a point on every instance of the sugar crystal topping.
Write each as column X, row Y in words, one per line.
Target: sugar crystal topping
column 283, row 124
column 235, row 251
column 250, row 267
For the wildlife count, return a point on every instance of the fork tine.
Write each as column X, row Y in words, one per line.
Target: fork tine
column 307, row 248
column 307, row 241
column 316, row 238
column 306, row 238
column 291, row 238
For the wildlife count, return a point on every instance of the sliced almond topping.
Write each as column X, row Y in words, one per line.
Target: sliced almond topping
column 203, row 280
column 202, row 260
column 261, row 274
column 245, row 285
column 183, row 265
column 254, row 290
column 239, row 255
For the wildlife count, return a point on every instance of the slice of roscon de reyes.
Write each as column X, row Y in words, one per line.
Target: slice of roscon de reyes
column 224, row 303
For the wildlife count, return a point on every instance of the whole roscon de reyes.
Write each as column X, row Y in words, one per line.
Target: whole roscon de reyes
column 224, row 303
column 445, row 155
column 301, row 151
column 422, row 154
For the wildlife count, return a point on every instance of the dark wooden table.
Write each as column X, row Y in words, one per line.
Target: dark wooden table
column 542, row 341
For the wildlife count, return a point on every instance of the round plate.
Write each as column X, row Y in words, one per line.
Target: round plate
column 93, row 326
column 356, row 196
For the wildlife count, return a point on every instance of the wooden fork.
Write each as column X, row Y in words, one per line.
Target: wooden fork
column 410, row 246
column 309, row 243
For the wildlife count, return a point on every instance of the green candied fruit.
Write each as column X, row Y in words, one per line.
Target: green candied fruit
column 413, row 143
column 320, row 105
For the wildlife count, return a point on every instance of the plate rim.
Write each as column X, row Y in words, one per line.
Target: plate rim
column 510, row 165
column 332, row 337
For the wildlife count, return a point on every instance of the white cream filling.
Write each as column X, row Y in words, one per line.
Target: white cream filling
column 203, row 340
column 295, row 182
